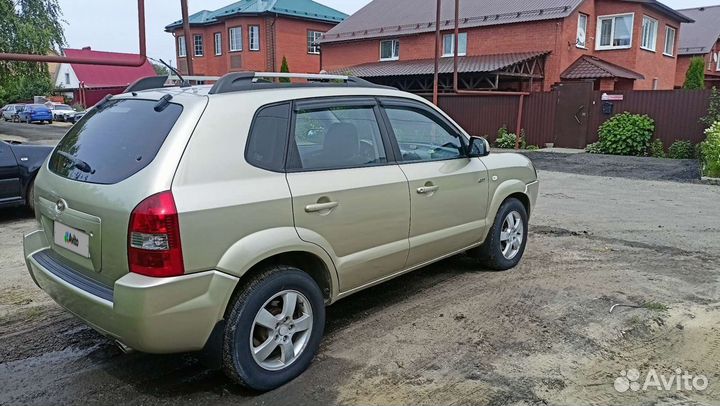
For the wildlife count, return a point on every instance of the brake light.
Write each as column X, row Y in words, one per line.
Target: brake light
column 154, row 247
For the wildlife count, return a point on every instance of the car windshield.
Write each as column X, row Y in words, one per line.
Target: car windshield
column 114, row 141
column 62, row 107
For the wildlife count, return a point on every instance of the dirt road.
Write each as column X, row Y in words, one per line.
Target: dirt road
column 451, row 333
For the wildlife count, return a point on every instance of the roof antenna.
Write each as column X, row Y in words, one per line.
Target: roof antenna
column 183, row 82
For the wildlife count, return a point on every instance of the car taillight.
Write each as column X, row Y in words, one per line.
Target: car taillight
column 154, row 247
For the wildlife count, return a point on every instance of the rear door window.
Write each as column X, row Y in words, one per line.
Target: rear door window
column 114, row 141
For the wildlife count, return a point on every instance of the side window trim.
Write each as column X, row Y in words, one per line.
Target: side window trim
column 292, row 157
column 419, row 107
column 288, row 134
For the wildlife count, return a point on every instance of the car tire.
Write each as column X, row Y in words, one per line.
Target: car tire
column 258, row 305
column 505, row 244
column 50, row 121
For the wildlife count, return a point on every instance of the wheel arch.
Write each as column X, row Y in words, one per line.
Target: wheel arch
column 282, row 246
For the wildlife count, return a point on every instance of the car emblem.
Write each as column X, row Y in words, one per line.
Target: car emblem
column 60, row 206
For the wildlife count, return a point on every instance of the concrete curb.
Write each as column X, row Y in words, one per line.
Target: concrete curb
column 710, row 181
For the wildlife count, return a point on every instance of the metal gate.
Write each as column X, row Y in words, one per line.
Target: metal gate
column 572, row 115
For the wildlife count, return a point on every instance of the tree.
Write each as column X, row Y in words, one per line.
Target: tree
column 713, row 115
column 284, row 68
column 28, row 27
column 695, row 77
column 160, row 70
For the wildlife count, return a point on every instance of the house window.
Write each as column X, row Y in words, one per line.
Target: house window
column 669, row 41
column 615, row 32
column 649, row 34
column 218, row 43
column 449, row 44
column 582, row 31
column 199, row 46
column 67, row 78
column 390, row 50
column 656, row 84
column 312, row 42
column 235, row 39
column 717, row 61
column 254, row 33
column 182, row 51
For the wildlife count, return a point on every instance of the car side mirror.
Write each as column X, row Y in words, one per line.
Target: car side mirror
column 478, row 147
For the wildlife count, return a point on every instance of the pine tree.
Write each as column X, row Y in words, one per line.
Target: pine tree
column 695, row 78
column 284, row 68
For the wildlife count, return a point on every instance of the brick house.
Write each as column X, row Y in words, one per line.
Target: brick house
column 254, row 35
column 511, row 45
column 701, row 38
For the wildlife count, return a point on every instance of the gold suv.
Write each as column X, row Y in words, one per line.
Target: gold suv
column 224, row 219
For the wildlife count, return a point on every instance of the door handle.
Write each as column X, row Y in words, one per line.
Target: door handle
column 428, row 189
column 314, row 208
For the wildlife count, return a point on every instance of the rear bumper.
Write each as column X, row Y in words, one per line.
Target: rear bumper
column 154, row 315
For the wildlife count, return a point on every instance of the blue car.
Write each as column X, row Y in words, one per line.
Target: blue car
column 36, row 112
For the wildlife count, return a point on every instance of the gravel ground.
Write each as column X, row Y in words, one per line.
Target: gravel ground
column 684, row 170
column 451, row 333
column 33, row 133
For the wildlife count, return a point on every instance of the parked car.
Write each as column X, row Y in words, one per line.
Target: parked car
column 231, row 237
column 74, row 117
column 61, row 112
column 19, row 164
column 11, row 111
column 34, row 113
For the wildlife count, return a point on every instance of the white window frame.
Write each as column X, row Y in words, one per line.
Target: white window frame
column 669, row 29
column 653, row 34
column 233, row 44
column 217, row 40
column 451, row 52
column 254, row 37
column 313, row 48
column 613, row 17
column 182, row 46
column 197, row 48
column 394, row 50
column 717, row 63
column 67, row 78
column 584, row 28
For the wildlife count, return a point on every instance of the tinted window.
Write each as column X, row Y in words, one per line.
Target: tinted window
column 114, row 142
column 422, row 137
column 337, row 137
column 268, row 138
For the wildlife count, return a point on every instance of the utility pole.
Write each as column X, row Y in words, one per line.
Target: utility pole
column 188, row 39
column 437, row 52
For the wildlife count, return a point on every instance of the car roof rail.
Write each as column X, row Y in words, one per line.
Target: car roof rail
column 147, row 83
column 243, row 81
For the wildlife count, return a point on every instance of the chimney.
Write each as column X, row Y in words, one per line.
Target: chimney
column 87, row 49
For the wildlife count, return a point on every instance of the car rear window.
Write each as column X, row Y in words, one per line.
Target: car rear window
column 114, row 141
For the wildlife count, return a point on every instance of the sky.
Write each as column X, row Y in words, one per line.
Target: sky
column 111, row 25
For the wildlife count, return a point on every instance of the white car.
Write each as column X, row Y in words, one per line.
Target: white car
column 61, row 112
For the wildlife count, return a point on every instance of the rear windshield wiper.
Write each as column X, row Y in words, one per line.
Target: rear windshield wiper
column 79, row 163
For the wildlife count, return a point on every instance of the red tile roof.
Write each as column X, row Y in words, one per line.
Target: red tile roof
column 590, row 67
column 466, row 64
column 107, row 76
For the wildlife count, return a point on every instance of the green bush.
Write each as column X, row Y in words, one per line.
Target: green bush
column 594, row 148
column 532, row 148
column 681, row 150
column 626, row 134
column 710, row 151
column 713, row 114
column 507, row 140
column 657, row 149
